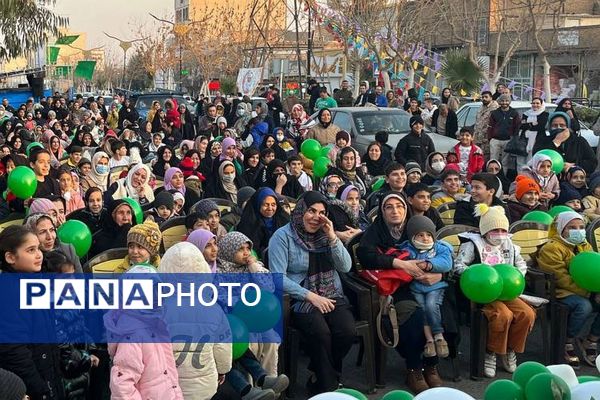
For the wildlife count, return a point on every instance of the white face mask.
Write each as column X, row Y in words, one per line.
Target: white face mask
column 228, row 178
column 438, row 166
column 280, row 138
column 422, row 246
column 576, row 236
column 496, row 239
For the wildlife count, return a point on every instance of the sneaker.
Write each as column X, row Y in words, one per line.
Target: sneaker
column 509, row 361
column 489, row 366
column 441, row 348
column 276, row 383
column 571, row 357
column 259, row 394
column 416, row 381
column 589, row 351
column 429, row 350
column 432, row 377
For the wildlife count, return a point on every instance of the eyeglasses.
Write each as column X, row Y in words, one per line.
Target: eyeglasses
column 333, row 185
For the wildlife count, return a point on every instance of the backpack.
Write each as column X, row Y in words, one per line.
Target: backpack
column 387, row 282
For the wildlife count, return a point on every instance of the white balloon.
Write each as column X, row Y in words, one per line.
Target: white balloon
column 598, row 363
column 566, row 372
column 332, row 396
column 443, row 393
column 586, row 391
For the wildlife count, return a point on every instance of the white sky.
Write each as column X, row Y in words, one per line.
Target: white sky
column 120, row 18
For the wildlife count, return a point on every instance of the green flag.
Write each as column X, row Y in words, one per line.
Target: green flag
column 62, row 70
column 85, row 69
column 53, row 54
column 67, row 39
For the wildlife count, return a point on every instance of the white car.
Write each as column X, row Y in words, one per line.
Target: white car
column 467, row 113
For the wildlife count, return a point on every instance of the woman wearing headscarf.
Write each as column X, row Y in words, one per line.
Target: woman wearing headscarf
column 495, row 167
column 262, row 109
column 269, row 142
column 534, row 121
column 385, row 233
column 295, row 122
column 345, row 164
column 243, row 114
column 98, row 175
column 57, row 152
column 165, row 159
column 213, row 151
column 184, row 147
column 309, row 254
column 174, row 179
column 251, row 164
column 324, row 132
column 200, row 144
column 206, row 242
column 43, row 227
column 276, row 177
column 188, row 129
column 230, row 152
column 375, row 160
column 94, row 212
column 285, row 142
column 134, row 185
column 566, row 106
column 226, row 184
column 330, row 184
column 116, row 225
column 261, row 217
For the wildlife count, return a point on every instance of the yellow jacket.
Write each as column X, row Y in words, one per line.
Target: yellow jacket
column 555, row 257
column 591, row 204
column 126, row 264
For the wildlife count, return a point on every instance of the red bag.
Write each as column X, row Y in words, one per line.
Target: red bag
column 388, row 280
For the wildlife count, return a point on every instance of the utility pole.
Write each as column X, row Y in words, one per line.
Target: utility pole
column 309, row 46
column 298, row 45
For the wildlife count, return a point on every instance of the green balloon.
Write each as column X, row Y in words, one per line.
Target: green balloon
column 354, row 393
column 554, row 211
column 587, row 378
column 320, row 166
column 137, row 209
column 526, row 371
column 504, row 389
column 378, row 184
column 325, row 150
column 547, row 386
column 261, row 317
column 254, row 254
column 538, row 216
column 585, row 270
column 513, row 282
column 76, row 233
column 398, row 395
column 481, row 283
column 22, row 182
column 557, row 161
column 31, row 146
column 311, row 149
column 239, row 336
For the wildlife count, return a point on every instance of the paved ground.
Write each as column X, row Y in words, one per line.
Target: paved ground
column 395, row 371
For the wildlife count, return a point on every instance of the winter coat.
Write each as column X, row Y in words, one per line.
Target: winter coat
column 482, row 123
column 128, row 113
column 555, row 257
column 323, row 135
column 503, row 125
column 591, row 204
column 94, row 222
column 474, row 163
column 465, row 209
column 198, row 365
column 173, row 117
column 343, row 97
column 551, row 186
column 111, row 235
column 440, row 258
column 451, row 123
column 413, row 147
column 517, row 209
column 574, row 150
column 258, row 131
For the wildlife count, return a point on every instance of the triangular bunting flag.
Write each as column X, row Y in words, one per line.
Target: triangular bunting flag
column 415, row 65
column 435, row 90
column 425, row 70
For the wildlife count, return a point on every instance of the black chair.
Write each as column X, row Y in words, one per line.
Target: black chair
column 593, row 234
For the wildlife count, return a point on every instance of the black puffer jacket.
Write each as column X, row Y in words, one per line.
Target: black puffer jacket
column 414, row 147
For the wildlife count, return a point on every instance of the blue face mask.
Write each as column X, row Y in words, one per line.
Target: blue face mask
column 576, row 236
column 102, row 169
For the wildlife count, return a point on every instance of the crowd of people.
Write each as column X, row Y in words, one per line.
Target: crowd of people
column 88, row 157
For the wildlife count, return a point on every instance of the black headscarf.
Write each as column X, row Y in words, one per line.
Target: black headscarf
column 376, row 167
column 321, row 111
column 159, row 167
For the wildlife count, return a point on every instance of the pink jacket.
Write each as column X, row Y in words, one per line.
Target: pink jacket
column 140, row 371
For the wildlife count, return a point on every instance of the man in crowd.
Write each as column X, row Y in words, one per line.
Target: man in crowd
column 415, row 146
column 482, row 122
column 380, row 100
column 484, row 187
column 343, row 97
column 504, row 123
column 324, row 100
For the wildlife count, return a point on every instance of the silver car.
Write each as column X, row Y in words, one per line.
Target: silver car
column 364, row 122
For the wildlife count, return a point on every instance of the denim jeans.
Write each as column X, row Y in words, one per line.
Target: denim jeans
column 580, row 309
column 237, row 375
column 431, row 303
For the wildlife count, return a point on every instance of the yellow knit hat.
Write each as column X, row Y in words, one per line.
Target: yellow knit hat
column 146, row 235
column 491, row 218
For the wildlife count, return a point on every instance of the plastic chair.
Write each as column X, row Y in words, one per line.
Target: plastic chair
column 450, row 234
column 173, row 231
column 12, row 219
column 447, row 211
column 529, row 236
column 106, row 262
column 593, row 234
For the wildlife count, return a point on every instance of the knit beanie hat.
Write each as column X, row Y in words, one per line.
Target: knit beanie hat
column 564, row 218
column 504, row 97
column 342, row 135
column 230, row 243
column 417, row 224
column 524, row 185
column 178, row 196
column 558, row 114
column 41, row 205
column 11, row 386
column 205, row 206
column 491, row 218
column 146, row 235
column 413, row 167
column 568, row 192
column 416, row 119
column 164, row 198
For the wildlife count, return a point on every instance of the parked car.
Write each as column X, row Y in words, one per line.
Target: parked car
column 364, row 122
column 467, row 113
column 143, row 102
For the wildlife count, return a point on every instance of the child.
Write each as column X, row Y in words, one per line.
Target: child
column 70, row 191
column 141, row 370
column 591, row 203
column 195, row 221
column 540, row 170
column 566, row 239
column 569, row 196
column 143, row 245
column 178, row 203
column 74, row 157
column 525, row 199
column 119, row 157
column 342, row 139
column 576, row 177
column 162, row 207
column 509, row 322
column 437, row 258
column 469, row 156
column 295, row 169
column 234, row 256
column 413, row 172
column 209, row 210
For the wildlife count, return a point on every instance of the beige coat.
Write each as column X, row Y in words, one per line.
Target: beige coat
column 482, row 122
column 325, row 136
